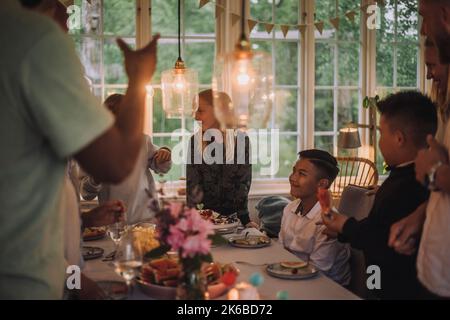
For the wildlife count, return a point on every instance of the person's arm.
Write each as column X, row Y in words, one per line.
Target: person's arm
column 243, row 183
column 324, row 252
column 159, row 159
column 111, row 157
column 193, row 178
column 443, row 178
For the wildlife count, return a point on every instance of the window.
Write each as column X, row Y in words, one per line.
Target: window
column 397, row 51
column 102, row 22
column 197, row 50
column 337, row 73
column 286, row 66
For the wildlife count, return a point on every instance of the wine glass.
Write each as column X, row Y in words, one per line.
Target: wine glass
column 115, row 232
column 128, row 258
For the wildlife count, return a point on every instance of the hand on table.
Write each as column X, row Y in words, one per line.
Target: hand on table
column 252, row 224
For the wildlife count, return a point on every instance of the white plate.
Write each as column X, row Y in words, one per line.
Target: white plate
column 276, row 270
column 258, row 244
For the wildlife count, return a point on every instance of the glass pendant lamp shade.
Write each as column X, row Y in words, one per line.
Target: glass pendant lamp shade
column 246, row 76
column 179, row 91
column 179, row 85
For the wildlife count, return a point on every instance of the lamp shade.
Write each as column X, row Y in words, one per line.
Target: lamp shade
column 179, row 88
column 349, row 138
column 246, row 76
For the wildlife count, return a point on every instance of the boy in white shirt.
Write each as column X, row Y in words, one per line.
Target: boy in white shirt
column 300, row 232
column 132, row 191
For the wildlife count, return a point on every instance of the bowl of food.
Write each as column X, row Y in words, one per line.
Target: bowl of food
column 159, row 277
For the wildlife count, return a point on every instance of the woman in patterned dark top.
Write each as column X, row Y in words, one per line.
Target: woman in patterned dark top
column 223, row 176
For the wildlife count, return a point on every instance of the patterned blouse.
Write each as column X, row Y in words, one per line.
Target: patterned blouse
column 223, row 186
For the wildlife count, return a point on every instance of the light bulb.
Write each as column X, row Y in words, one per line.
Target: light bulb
column 179, row 83
column 243, row 79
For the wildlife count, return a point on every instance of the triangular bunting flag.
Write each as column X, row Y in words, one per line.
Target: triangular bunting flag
column 251, row 24
column 351, row 15
column 284, row 29
column 335, row 22
column 202, row 3
column 235, row 18
column 268, row 27
column 302, row 29
column 319, row 26
column 219, row 10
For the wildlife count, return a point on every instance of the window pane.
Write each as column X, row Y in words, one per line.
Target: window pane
column 176, row 171
column 90, row 50
column 262, row 45
column 199, row 20
column 286, row 62
column 90, row 17
column 407, row 65
column 324, row 10
column 200, row 57
column 324, row 64
column 113, row 62
column 348, row 107
column 119, row 17
column 260, row 10
column 348, row 63
column 324, row 143
column 286, row 12
column 167, row 55
column 323, row 110
column 407, row 20
column 348, row 30
column 286, row 110
column 387, row 19
column 165, row 17
column 287, row 156
column 385, row 62
column 160, row 122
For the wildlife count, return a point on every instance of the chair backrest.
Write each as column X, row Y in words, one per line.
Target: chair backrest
column 355, row 202
column 354, row 171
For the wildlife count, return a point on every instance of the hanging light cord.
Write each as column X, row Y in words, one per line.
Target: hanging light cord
column 243, row 19
column 179, row 29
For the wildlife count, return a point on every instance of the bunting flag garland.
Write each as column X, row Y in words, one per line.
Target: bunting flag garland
column 335, row 23
column 202, row 3
column 268, row 26
column 284, row 28
column 319, row 26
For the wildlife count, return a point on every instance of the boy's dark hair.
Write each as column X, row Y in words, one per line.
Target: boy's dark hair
column 412, row 113
column 325, row 163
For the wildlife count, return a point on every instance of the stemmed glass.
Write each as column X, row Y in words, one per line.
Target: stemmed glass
column 128, row 258
column 115, row 232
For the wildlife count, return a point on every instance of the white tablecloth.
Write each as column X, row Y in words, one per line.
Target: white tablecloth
column 317, row 288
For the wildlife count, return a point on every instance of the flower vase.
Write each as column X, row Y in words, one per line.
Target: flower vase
column 193, row 284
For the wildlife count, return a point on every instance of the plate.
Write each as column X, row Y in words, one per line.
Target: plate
column 278, row 271
column 90, row 253
column 250, row 242
column 91, row 234
column 114, row 290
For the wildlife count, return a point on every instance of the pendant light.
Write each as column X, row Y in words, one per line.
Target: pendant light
column 246, row 76
column 179, row 85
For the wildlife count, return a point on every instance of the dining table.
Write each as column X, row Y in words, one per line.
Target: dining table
column 248, row 262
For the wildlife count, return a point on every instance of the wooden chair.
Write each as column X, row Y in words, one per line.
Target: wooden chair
column 354, row 171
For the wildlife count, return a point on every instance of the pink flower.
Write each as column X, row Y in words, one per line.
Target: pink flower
column 176, row 238
column 195, row 244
